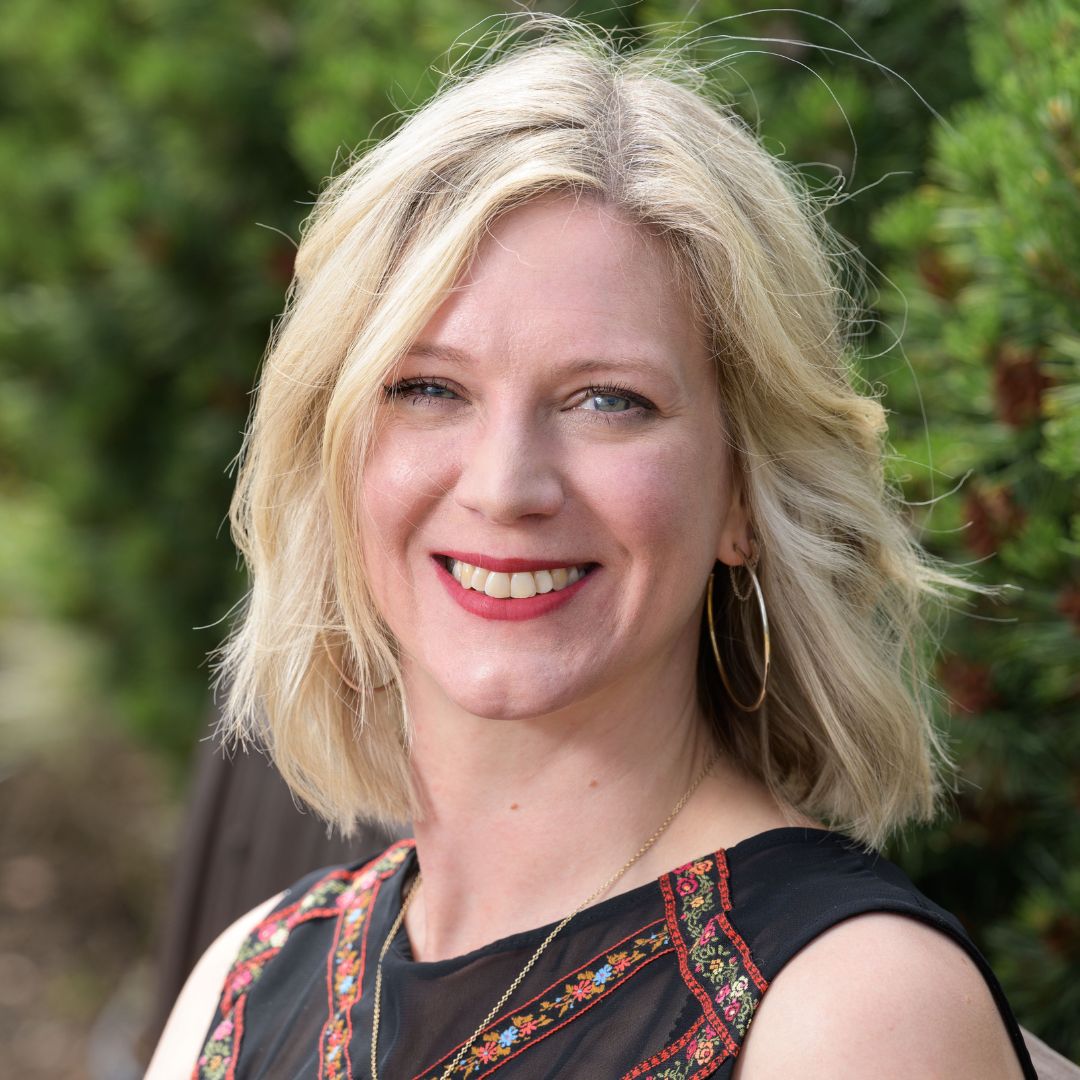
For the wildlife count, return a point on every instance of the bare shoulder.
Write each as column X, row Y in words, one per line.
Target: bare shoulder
column 879, row 994
column 190, row 1018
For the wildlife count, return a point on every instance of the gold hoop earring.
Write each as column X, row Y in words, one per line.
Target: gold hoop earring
column 755, row 585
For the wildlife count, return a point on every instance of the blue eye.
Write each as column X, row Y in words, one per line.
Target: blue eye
column 607, row 401
column 420, row 391
column 616, row 401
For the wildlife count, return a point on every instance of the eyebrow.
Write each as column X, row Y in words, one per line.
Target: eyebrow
column 575, row 366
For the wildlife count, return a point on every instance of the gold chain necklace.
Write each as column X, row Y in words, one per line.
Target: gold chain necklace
column 535, row 956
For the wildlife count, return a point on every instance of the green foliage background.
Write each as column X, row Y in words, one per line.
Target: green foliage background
column 156, row 156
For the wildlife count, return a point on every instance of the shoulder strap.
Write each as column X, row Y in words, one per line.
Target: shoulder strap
column 717, row 967
column 791, row 885
column 319, row 895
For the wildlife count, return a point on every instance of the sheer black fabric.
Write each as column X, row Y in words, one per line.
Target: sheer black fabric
column 660, row 981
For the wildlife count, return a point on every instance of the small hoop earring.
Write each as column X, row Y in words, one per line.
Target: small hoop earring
column 755, row 585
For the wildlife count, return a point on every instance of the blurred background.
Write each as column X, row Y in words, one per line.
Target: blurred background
column 156, row 160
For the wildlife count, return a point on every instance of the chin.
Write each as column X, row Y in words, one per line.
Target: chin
column 512, row 706
column 505, row 698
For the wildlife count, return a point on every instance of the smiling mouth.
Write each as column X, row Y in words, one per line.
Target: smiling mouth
column 519, row 585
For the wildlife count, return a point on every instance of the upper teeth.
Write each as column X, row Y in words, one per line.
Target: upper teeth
column 519, row 585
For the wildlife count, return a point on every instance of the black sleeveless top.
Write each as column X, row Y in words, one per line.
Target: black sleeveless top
column 658, row 982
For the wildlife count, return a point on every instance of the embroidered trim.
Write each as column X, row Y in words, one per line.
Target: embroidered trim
column 716, row 966
column 523, row 1027
column 323, row 900
column 218, row 1060
column 700, row 1049
column 345, row 962
column 714, row 961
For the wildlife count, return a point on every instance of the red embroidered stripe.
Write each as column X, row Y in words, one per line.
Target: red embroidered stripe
column 238, row 1021
column 725, row 891
column 716, row 966
column 344, row 979
column 324, row 1043
column 266, row 939
column 345, row 963
column 683, row 953
column 550, row 1011
column 222, row 1048
column 732, row 934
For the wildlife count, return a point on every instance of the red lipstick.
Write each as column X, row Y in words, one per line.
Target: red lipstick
column 508, row 610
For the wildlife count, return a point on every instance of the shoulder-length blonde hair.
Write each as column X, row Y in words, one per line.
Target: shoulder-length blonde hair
column 311, row 669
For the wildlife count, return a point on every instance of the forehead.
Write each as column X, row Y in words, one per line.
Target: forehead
column 567, row 277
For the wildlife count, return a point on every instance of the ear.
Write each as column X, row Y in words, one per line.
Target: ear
column 736, row 541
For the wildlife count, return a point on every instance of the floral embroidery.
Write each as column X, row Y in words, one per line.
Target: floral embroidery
column 324, row 899
column 216, row 1060
column 717, row 967
column 561, row 1003
column 686, row 885
column 714, row 961
column 345, row 973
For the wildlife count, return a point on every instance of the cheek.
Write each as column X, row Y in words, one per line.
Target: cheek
column 663, row 499
column 401, row 481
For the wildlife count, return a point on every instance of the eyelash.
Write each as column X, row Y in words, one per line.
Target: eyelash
column 404, row 388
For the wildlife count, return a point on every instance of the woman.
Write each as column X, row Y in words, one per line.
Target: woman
column 570, row 543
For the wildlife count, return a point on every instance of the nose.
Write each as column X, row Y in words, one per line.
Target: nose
column 508, row 470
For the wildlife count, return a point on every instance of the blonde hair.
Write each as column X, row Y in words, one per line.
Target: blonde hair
column 310, row 668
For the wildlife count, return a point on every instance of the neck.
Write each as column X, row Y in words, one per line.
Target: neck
column 542, row 811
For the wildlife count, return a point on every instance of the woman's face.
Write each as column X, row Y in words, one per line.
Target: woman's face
column 557, row 416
